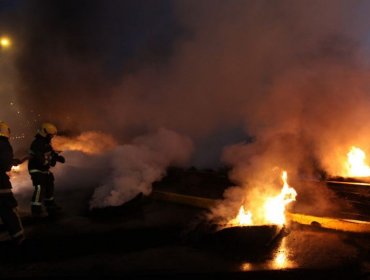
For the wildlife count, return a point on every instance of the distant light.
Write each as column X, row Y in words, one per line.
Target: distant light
column 5, row 42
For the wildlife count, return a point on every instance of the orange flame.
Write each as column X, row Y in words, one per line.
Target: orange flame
column 273, row 208
column 356, row 165
column 89, row 142
column 242, row 219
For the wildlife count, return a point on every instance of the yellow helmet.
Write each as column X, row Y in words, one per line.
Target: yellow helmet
column 48, row 129
column 4, row 129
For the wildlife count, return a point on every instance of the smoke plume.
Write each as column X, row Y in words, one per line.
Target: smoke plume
column 136, row 166
column 292, row 74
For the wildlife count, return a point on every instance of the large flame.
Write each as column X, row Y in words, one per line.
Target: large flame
column 356, row 163
column 273, row 208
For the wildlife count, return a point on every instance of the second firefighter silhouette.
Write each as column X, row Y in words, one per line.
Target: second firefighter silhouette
column 8, row 204
column 42, row 157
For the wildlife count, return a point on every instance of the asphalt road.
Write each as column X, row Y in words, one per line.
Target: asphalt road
column 154, row 239
column 147, row 238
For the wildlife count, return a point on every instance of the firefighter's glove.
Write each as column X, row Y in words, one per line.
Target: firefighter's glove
column 16, row 162
column 53, row 159
column 61, row 159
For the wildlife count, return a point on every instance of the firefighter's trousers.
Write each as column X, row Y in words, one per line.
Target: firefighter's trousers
column 43, row 194
column 9, row 215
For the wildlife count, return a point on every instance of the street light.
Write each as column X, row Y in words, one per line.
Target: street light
column 5, row 42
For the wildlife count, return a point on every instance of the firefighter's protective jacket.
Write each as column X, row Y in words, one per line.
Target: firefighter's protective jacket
column 6, row 162
column 42, row 155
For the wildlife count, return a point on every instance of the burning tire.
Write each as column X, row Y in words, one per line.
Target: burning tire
column 248, row 239
column 243, row 242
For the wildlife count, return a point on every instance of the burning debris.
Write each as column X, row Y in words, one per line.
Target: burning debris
column 246, row 241
column 271, row 211
column 252, row 230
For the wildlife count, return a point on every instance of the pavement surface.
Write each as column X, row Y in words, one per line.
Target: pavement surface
column 147, row 238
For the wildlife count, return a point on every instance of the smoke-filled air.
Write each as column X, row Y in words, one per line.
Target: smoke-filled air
column 139, row 86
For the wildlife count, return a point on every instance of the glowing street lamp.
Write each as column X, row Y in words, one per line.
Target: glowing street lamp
column 5, row 42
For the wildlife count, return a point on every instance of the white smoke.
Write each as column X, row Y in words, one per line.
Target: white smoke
column 114, row 175
column 136, row 166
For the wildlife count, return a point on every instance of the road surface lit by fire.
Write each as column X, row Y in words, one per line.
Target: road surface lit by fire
column 154, row 238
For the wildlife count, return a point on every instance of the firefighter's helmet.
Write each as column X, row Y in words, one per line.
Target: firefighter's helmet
column 48, row 129
column 4, row 129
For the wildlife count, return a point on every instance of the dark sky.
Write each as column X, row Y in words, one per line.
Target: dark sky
column 113, row 33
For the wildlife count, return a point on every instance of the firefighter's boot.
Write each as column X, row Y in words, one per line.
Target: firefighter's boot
column 37, row 211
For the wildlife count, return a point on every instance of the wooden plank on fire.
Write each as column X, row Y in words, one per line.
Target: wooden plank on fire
column 331, row 223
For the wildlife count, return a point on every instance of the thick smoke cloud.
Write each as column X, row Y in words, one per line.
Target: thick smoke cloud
column 218, row 60
column 136, row 166
column 292, row 74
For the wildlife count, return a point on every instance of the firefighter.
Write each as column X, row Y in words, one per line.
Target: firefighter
column 42, row 157
column 8, row 204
